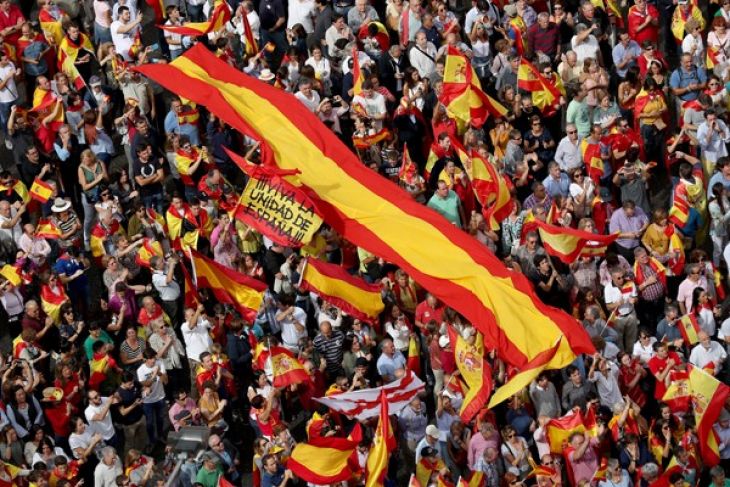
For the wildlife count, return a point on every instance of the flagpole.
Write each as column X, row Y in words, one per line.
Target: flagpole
column 192, row 267
column 301, row 274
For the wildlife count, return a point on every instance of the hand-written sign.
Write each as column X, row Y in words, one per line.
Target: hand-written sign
column 278, row 210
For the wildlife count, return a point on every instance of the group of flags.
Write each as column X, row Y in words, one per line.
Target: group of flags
column 382, row 218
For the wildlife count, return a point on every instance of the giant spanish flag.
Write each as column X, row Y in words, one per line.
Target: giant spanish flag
column 476, row 373
column 351, row 294
column 383, row 443
column 218, row 17
column 322, row 461
column 462, row 93
column 377, row 215
column 559, row 431
column 568, row 244
column 228, row 286
column 546, row 93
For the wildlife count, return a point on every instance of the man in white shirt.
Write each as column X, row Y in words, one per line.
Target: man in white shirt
column 568, row 155
column 708, row 354
column 423, row 55
column 620, row 296
column 338, row 30
column 307, row 95
column 164, row 282
column 174, row 41
column 10, row 221
column 292, row 321
column 605, row 375
column 712, row 135
column 8, row 89
column 301, row 12
column 373, row 104
column 108, row 469
column 197, row 340
column 124, row 30
column 100, row 419
column 151, row 374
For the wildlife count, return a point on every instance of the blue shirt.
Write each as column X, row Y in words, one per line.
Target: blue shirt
column 718, row 178
column 387, row 365
column 172, row 126
column 269, row 480
column 33, row 51
column 68, row 266
column 620, row 51
column 682, row 79
column 559, row 187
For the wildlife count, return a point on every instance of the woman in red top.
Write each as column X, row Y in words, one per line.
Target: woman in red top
column 70, row 383
column 631, row 373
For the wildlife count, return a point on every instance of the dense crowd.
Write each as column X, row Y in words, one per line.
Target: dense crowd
column 103, row 356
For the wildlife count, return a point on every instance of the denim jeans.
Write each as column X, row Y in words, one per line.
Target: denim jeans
column 5, row 114
column 101, row 34
column 89, row 216
column 154, row 413
column 153, row 201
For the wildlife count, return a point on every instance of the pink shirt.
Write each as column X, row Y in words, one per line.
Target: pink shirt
column 478, row 445
column 586, row 467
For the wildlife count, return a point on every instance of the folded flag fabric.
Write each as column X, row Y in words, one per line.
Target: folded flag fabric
column 218, row 17
column 244, row 293
column 351, row 294
column 40, row 190
column 323, row 460
column 382, row 218
column 365, row 403
column 51, row 300
column 559, row 431
column 568, row 244
column 689, row 328
column 383, row 442
column 476, row 373
column 47, row 229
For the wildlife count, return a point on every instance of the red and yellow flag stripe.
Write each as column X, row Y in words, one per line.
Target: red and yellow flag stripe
column 689, row 328
column 40, row 190
column 218, row 17
column 322, row 461
column 333, row 284
column 378, row 215
column 228, row 286
column 568, row 244
column 46, row 229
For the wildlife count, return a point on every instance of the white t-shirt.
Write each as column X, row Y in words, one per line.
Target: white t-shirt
column 104, row 427
column 157, row 389
column 122, row 41
column 289, row 334
column 76, row 441
column 197, row 340
column 311, row 103
column 301, row 12
column 171, row 36
column 10, row 91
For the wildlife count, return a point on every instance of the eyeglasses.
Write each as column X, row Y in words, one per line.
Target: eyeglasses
column 650, row 48
column 571, row 132
column 532, row 242
column 578, row 175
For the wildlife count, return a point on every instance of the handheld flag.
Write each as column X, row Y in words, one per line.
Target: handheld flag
column 545, row 92
column 322, row 461
column 357, row 76
column 334, row 284
column 568, row 244
column 40, row 190
column 252, row 47
column 414, row 355
column 46, row 229
column 476, row 373
column 218, row 17
column 228, row 286
column 689, row 328
column 383, row 442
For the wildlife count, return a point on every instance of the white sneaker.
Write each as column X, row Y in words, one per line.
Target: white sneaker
column 8, row 144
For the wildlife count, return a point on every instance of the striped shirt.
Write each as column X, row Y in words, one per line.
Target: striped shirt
column 331, row 349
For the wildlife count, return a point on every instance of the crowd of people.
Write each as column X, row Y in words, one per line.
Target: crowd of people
column 107, row 177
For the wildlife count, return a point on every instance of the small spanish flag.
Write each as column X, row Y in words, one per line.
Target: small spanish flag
column 689, row 328
column 12, row 274
column 559, row 431
column 17, row 187
column 357, row 77
column 191, row 293
column 149, row 249
column 414, row 356
column 476, row 373
column 52, row 299
column 40, row 190
column 568, row 244
column 333, row 284
column 228, row 286
column 322, row 461
column 285, row 367
column 602, row 470
column 46, row 229
column 252, row 47
column 383, row 443
column 475, row 480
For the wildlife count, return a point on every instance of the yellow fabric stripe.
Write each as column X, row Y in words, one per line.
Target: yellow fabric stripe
column 325, row 462
column 565, row 244
column 404, row 233
column 245, row 296
column 368, row 302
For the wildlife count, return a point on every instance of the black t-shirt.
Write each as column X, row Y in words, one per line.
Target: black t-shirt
column 128, row 396
column 269, row 12
column 146, row 170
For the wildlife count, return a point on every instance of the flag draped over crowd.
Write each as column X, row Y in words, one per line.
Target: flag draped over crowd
column 453, row 266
